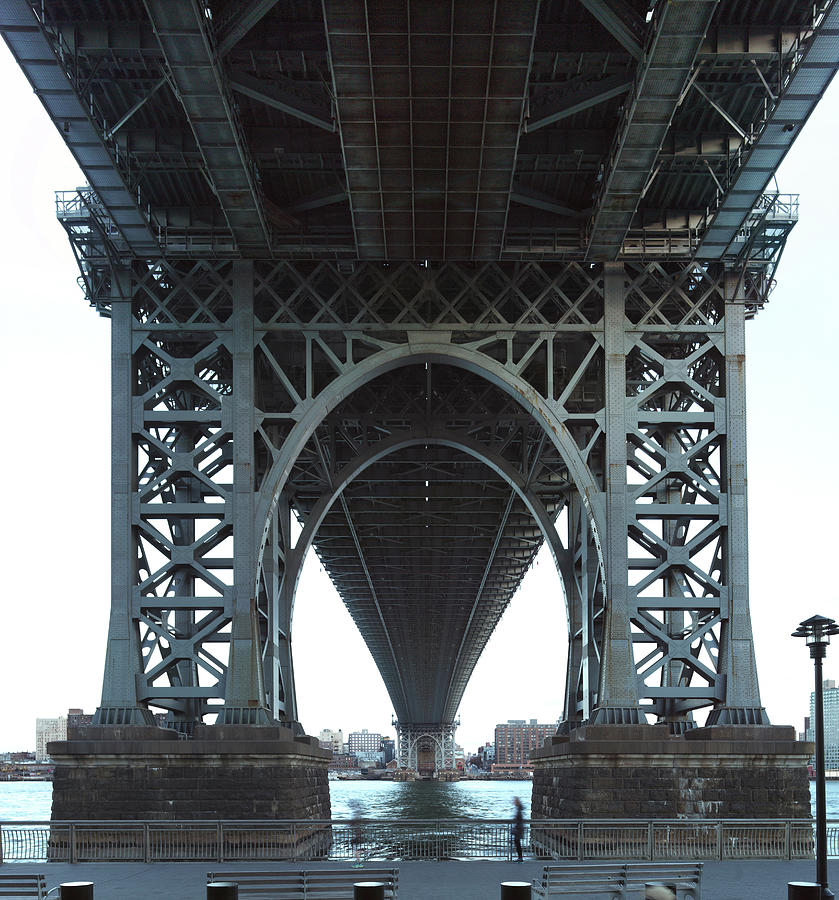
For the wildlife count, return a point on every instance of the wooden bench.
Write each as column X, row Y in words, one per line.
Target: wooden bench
column 307, row 884
column 22, row 885
column 619, row 880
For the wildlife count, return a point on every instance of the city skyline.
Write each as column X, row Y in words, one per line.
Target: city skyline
column 56, row 529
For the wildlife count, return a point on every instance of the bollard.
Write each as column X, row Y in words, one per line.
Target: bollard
column 803, row 890
column 222, row 890
column 76, row 890
column 368, row 890
column 515, row 890
column 655, row 890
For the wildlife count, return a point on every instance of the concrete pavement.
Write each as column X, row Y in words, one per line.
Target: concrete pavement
column 472, row 880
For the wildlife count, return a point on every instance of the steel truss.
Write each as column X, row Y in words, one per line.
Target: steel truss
column 426, row 428
column 414, row 739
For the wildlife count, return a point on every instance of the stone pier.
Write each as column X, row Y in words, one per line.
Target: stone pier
column 222, row 772
column 641, row 771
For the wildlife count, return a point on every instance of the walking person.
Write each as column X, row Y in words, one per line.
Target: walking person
column 518, row 826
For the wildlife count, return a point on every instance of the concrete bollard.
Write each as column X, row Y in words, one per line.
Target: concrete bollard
column 803, row 890
column 368, row 890
column 222, row 890
column 515, row 890
column 76, row 890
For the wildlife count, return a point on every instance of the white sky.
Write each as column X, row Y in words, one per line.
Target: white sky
column 54, row 518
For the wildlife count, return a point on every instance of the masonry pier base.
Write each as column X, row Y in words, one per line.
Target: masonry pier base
column 642, row 772
column 221, row 772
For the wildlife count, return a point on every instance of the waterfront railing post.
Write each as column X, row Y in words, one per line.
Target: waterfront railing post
column 220, row 842
column 73, row 854
column 650, row 841
column 146, row 843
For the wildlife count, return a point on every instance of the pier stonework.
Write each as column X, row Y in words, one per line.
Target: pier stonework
column 641, row 771
column 223, row 772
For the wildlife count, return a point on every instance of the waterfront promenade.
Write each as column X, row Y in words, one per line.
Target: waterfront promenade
column 474, row 880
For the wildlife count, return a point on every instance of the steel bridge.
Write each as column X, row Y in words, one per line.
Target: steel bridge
column 423, row 286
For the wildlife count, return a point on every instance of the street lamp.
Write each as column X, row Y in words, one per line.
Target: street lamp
column 817, row 631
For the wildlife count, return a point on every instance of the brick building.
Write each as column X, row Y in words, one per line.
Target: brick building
column 515, row 739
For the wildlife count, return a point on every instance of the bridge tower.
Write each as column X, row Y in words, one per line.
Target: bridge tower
column 425, row 286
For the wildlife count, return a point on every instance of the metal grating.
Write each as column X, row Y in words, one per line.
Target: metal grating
column 430, row 100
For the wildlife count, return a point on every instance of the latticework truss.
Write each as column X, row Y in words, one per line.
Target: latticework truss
column 429, row 428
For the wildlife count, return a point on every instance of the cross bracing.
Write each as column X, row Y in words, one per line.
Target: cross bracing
column 424, row 288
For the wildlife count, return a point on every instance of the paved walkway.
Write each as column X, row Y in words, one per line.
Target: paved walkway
column 749, row 880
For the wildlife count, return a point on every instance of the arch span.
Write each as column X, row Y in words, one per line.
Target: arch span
column 548, row 414
column 389, row 446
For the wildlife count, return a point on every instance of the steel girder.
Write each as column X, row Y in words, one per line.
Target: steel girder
column 678, row 29
column 426, row 425
column 41, row 53
column 764, row 147
column 186, row 39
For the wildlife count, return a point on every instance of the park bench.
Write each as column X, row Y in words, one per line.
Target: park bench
column 14, row 884
column 307, row 884
column 619, row 880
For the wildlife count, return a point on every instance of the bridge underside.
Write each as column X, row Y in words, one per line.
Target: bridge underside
column 423, row 286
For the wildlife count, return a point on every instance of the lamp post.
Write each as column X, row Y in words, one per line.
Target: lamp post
column 817, row 631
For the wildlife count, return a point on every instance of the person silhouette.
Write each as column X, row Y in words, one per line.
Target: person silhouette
column 518, row 826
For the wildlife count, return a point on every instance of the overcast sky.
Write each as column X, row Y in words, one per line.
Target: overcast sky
column 56, row 456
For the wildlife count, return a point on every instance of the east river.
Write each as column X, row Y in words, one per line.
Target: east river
column 30, row 800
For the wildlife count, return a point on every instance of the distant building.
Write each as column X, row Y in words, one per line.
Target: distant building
column 77, row 718
column 486, row 755
column 516, row 738
column 47, row 730
column 388, row 749
column 831, row 723
column 332, row 740
column 360, row 741
column 370, row 759
column 343, row 761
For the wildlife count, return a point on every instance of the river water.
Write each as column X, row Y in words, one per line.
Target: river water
column 30, row 800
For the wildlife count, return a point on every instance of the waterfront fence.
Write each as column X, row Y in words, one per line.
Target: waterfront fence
column 409, row 839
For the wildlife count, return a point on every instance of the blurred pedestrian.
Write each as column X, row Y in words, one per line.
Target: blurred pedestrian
column 518, row 826
column 356, row 833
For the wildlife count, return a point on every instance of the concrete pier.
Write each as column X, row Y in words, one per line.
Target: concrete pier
column 641, row 771
column 223, row 771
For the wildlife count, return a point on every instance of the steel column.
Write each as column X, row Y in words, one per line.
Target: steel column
column 737, row 656
column 122, row 656
column 618, row 696
column 245, row 695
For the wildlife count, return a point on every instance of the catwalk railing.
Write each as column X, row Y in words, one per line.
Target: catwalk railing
column 408, row 839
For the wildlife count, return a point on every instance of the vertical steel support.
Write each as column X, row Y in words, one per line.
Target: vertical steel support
column 286, row 693
column 737, row 657
column 618, row 695
column 580, row 572
column 122, row 656
column 271, row 579
column 245, row 695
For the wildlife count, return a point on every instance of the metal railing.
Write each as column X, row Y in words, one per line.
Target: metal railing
column 408, row 839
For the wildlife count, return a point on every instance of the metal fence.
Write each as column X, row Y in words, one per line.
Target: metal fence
column 409, row 839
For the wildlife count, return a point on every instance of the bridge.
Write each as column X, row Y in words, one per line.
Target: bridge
column 424, row 286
